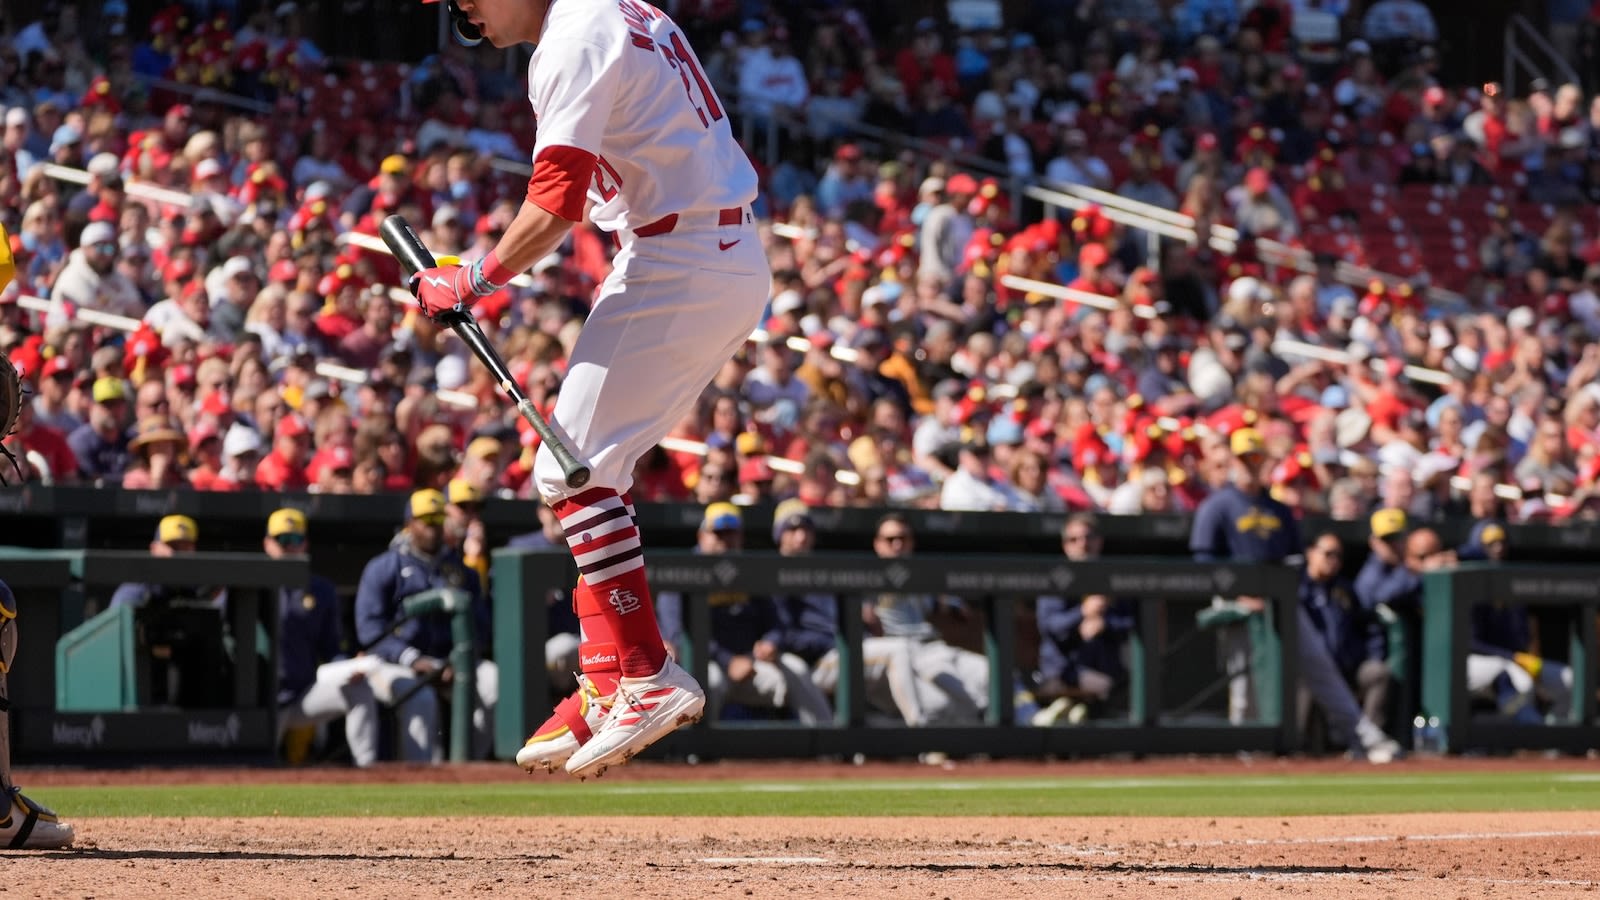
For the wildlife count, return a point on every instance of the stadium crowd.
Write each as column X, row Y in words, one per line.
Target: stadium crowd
column 924, row 379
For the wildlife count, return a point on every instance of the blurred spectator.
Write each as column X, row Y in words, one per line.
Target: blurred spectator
column 1503, row 660
column 1353, row 636
column 1240, row 522
column 91, row 281
column 1082, row 644
column 748, row 664
column 101, row 444
column 419, row 560
column 909, row 669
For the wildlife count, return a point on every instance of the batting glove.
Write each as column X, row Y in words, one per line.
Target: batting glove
column 452, row 287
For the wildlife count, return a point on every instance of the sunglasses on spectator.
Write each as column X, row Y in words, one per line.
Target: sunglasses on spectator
column 896, row 537
column 291, row 541
column 714, row 475
column 106, row 247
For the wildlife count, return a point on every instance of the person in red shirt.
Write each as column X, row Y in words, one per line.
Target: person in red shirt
column 925, row 61
column 32, row 437
column 1093, row 262
column 205, row 445
column 342, row 289
column 284, row 469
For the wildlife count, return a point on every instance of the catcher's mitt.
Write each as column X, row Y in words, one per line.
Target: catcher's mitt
column 10, row 407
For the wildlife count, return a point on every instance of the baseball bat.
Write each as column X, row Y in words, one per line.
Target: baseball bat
column 414, row 257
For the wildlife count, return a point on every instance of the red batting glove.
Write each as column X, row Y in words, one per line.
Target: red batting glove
column 443, row 289
column 454, row 287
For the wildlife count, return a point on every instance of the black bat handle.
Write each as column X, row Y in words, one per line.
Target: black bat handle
column 408, row 248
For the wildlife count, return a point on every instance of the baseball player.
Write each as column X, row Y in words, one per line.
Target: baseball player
column 631, row 135
column 907, row 666
column 24, row 824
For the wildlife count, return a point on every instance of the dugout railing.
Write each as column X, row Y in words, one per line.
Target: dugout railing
column 57, row 591
column 526, row 581
column 348, row 530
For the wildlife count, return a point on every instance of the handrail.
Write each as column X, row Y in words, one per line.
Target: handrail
column 201, row 94
column 332, row 371
column 1518, row 29
column 1280, row 346
column 1224, row 238
column 140, row 189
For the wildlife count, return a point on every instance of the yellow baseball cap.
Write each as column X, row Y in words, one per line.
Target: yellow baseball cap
column 460, row 490
column 749, row 443
column 394, row 164
column 426, row 502
column 1386, row 523
column 108, row 389
column 484, row 448
column 286, row 521
column 1247, row 441
column 172, row 529
column 1491, row 534
column 722, row 517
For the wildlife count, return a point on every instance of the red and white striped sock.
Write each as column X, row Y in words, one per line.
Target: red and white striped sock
column 605, row 543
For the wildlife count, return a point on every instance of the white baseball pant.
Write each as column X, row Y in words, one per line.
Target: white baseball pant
column 1318, row 674
column 927, row 682
column 1554, row 683
column 785, row 684
column 673, row 310
column 358, row 701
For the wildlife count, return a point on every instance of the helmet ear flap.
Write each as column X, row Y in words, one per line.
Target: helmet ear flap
column 466, row 33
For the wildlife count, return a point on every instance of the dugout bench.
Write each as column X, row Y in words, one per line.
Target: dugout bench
column 524, row 580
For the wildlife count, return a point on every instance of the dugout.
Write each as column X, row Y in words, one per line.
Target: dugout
column 96, row 711
column 1567, row 601
column 1160, row 715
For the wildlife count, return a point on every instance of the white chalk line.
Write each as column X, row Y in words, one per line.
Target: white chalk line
column 1383, row 838
column 1034, row 785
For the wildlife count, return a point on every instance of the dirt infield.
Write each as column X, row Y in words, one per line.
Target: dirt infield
column 1477, row 855
column 1510, row 855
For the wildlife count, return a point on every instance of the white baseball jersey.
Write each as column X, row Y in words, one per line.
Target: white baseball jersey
column 619, row 94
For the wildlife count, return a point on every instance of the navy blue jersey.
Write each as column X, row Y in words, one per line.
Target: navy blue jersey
column 310, row 633
column 808, row 625
column 1348, row 628
column 398, row 573
column 1232, row 525
column 1500, row 630
column 1394, row 586
column 1063, row 651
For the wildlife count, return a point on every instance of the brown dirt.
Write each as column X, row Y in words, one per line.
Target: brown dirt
column 1510, row 855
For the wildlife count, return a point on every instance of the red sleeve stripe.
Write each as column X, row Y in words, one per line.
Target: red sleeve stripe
column 561, row 177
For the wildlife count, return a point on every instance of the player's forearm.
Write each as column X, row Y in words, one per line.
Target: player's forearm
column 534, row 234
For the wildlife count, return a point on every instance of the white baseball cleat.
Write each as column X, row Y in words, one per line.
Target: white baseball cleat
column 580, row 715
column 29, row 826
column 645, row 711
column 1384, row 752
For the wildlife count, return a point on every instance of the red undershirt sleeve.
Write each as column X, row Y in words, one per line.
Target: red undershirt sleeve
column 560, row 182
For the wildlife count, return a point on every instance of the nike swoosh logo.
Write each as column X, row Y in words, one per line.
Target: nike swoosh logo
column 727, row 245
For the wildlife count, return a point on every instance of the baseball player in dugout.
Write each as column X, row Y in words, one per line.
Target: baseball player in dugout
column 24, row 824
column 632, row 136
column 420, row 559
